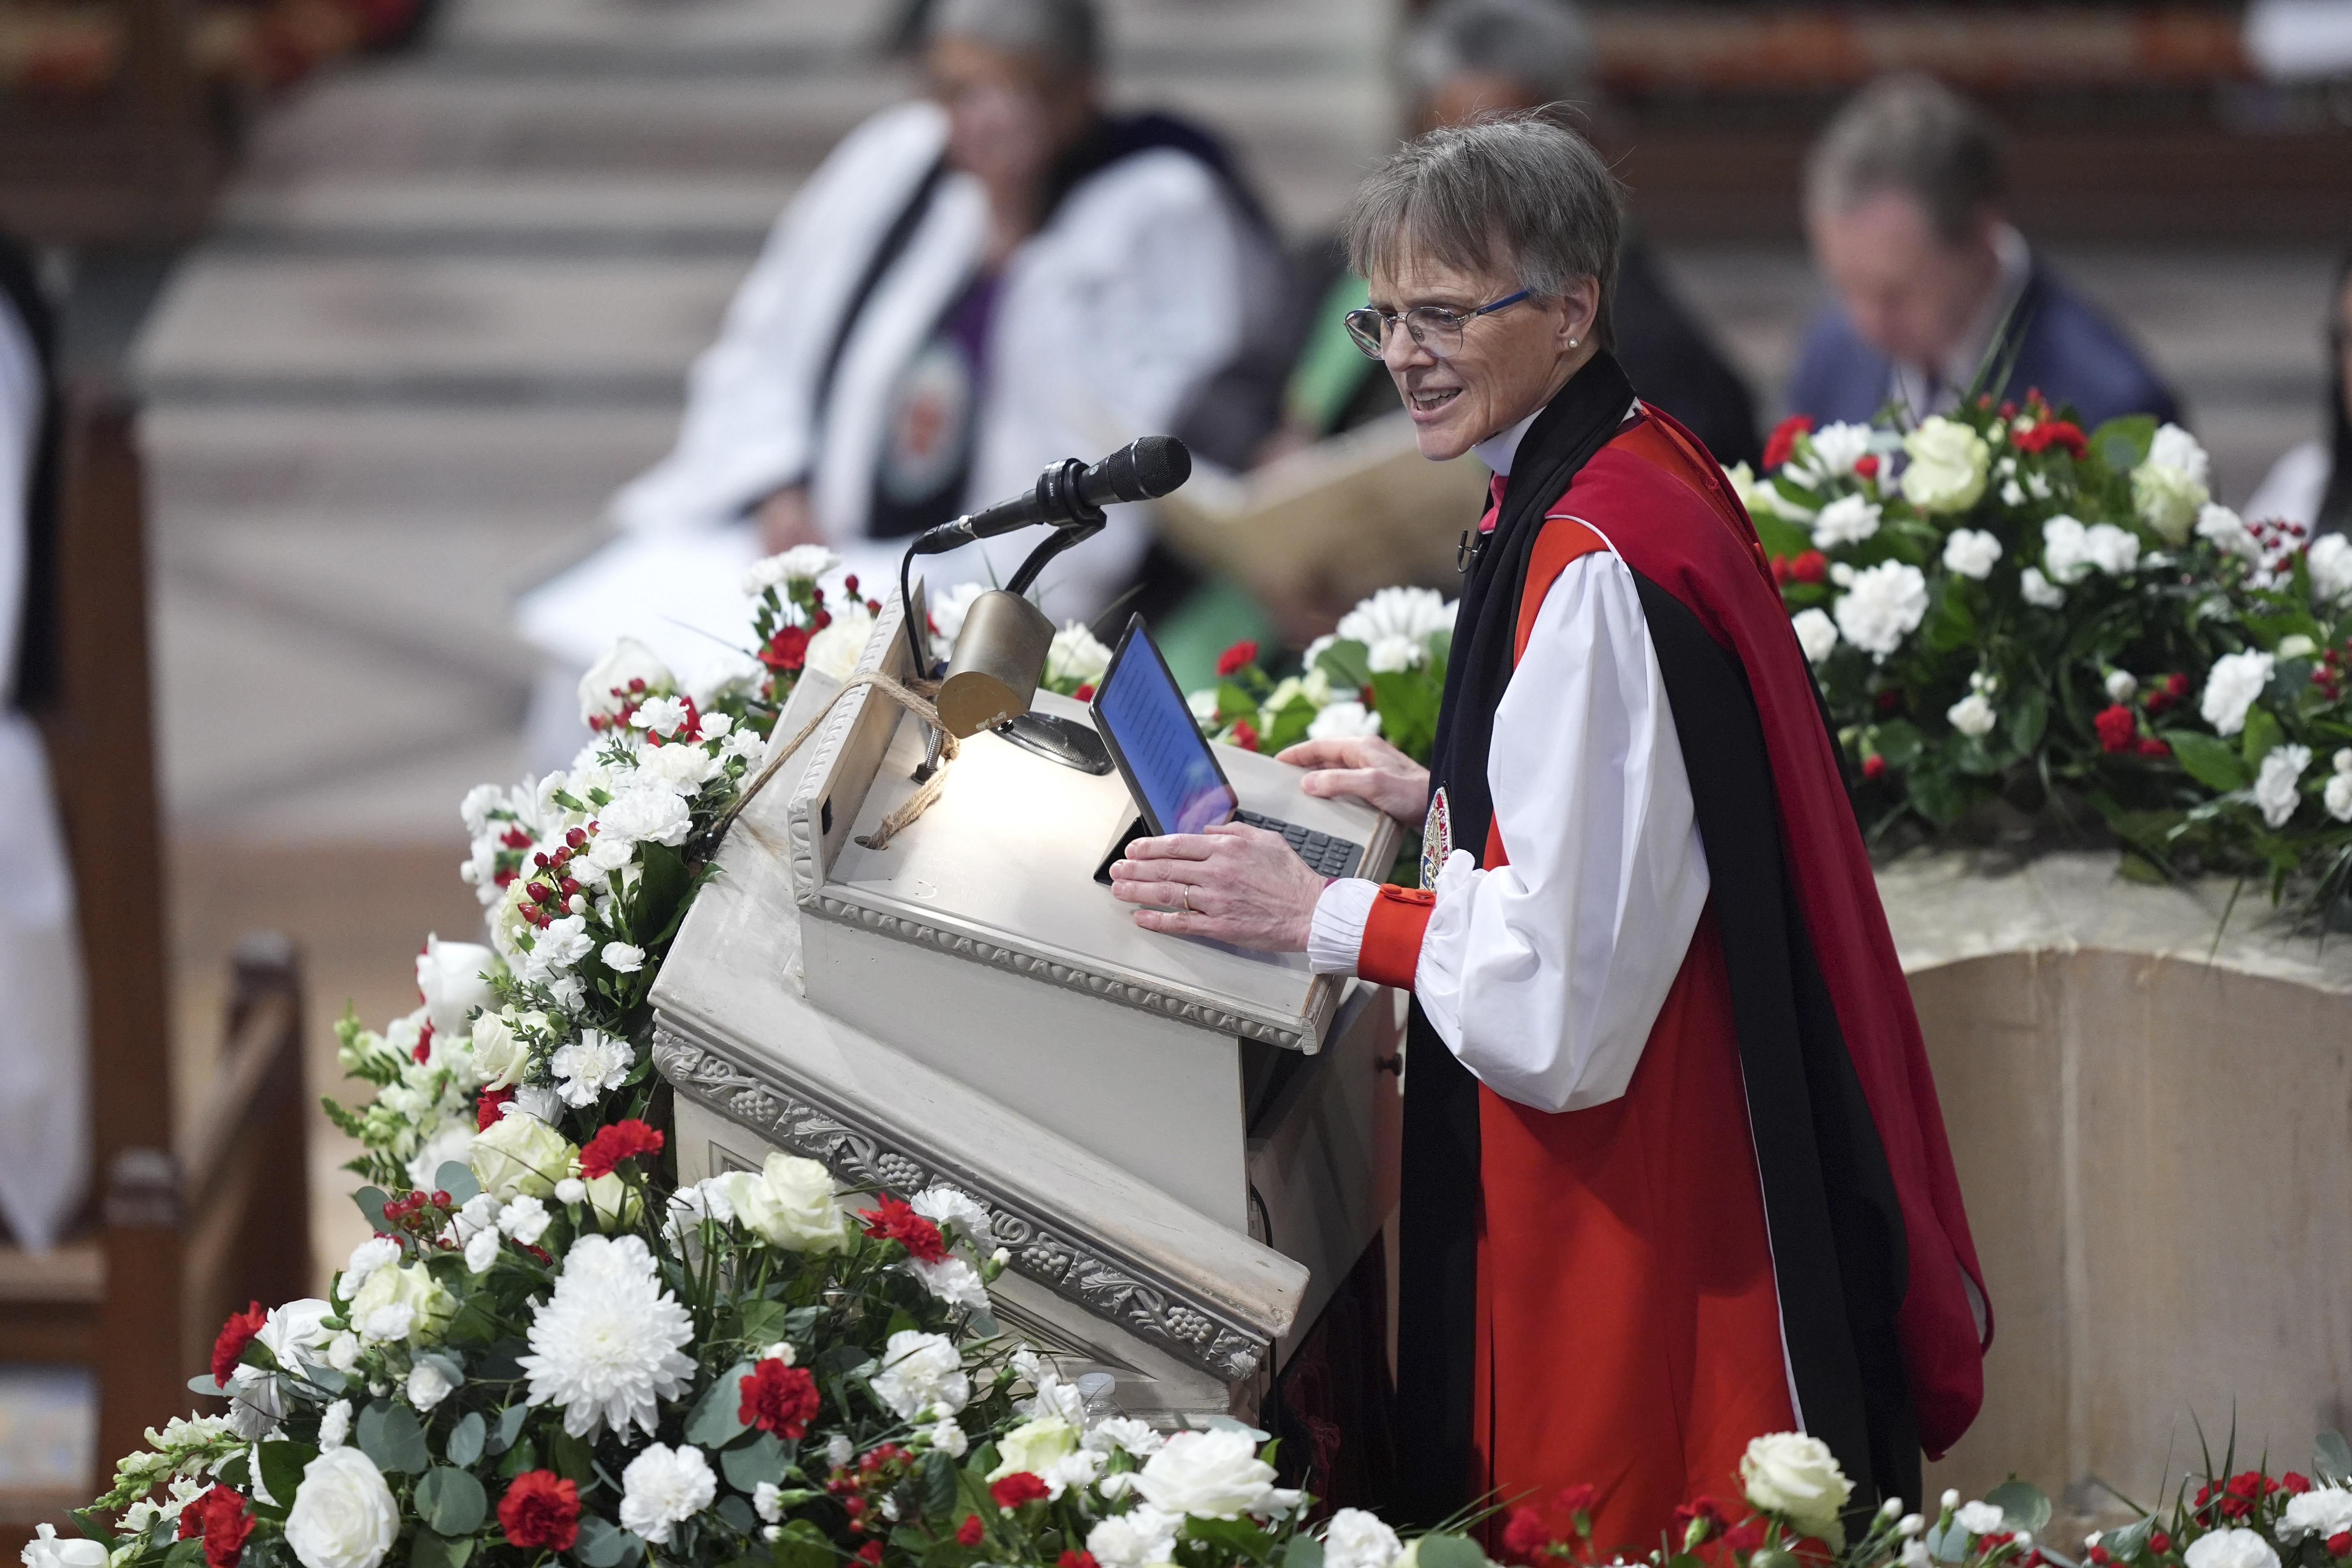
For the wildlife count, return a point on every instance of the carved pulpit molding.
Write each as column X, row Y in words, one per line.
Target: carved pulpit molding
column 802, row 1120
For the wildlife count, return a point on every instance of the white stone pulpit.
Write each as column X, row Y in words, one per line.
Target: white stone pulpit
column 1185, row 1146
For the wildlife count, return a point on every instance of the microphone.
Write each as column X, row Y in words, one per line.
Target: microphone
column 1071, row 495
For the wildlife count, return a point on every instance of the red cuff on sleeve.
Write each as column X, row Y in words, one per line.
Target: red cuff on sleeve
column 1392, row 931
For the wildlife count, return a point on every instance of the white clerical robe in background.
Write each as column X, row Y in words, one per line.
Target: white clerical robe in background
column 1110, row 317
column 43, row 1051
column 1545, row 976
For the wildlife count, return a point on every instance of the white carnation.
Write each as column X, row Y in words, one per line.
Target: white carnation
column 2039, row 591
column 622, row 958
column 1816, row 634
column 1125, row 1433
column 1979, row 1518
column 947, row 1438
column 948, row 612
column 590, row 1067
column 1884, row 605
column 802, row 563
column 1077, row 655
column 2227, row 532
column 2237, row 678
column 335, row 1426
column 2330, row 563
column 2071, row 551
column 682, row 767
column 1972, row 715
column 663, row 1486
column 921, row 1372
column 343, row 1516
column 376, row 1252
column 2276, row 788
column 2230, row 1549
column 953, row 1281
column 945, row 1206
column 2122, row 685
column 2337, row 796
column 1837, row 447
column 1340, row 719
column 626, row 661
column 1356, row 1538
column 2323, row 1511
column 647, row 813
column 557, row 945
column 47, row 1549
column 609, row 1343
column 1849, row 520
column 1970, row 553
column 1412, row 613
column 1136, row 1539
column 429, row 1382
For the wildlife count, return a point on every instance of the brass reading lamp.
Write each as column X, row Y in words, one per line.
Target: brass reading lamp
column 1000, row 654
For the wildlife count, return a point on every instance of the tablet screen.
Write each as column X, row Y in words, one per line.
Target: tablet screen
column 1167, row 761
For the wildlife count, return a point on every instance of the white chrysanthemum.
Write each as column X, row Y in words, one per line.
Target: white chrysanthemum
column 1883, row 605
column 920, row 1371
column 591, row 1066
column 607, row 1344
column 804, row 563
column 1409, row 613
column 665, row 1487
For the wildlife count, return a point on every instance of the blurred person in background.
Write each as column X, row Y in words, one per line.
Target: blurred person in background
column 44, row 1065
column 2311, row 484
column 971, row 287
column 1901, row 197
column 1305, row 379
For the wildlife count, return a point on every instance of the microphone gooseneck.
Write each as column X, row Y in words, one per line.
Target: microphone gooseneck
column 1069, row 494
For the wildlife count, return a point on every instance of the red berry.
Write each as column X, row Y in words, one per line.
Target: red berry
column 569, row 887
column 850, row 582
column 637, row 683
column 576, row 838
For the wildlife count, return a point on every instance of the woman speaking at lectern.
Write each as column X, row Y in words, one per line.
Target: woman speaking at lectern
column 1674, row 1174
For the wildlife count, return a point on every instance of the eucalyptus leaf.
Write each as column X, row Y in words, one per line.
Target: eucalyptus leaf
column 465, row 1442
column 205, row 1383
column 737, row 1513
column 1455, row 1552
column 371, row 1201
column 389, row 1434
column 432, row 1551
column 572, row 1459
column 763, row 1460
column 1303, row 1551
column 714, row 1422
column 2332, row 1458
column 2022, row 1504
column 511, row 1422
column 601, row 1544
column 456, row 1178
column 451, row 1501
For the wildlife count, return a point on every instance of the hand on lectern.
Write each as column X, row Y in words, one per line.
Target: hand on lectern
column 1367, row 767
column 1233, row 883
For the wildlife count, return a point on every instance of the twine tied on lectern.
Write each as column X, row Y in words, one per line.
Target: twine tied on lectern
column 915, row 697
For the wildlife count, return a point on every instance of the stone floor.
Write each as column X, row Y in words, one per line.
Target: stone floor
column 447, row 312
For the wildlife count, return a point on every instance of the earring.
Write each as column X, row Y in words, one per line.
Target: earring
column 1571, row 342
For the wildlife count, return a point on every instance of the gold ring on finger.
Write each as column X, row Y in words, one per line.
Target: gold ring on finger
column 1185, row 895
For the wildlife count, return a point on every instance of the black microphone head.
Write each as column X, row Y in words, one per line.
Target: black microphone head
column 1140, row 470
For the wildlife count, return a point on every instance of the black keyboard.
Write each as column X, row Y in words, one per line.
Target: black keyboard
column 1325, row 854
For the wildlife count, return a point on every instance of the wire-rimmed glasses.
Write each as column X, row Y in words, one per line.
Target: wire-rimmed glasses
column 1433, row 327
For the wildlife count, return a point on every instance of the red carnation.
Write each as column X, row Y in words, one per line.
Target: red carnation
column 490, row 1107
column 1873, row 766
column 1085, row 693
column 1243, row 652
column 424, row 1051
column 1809, row 566
column 1245, row 735
column 1744, row 1537
column 2149, row 746
column 893, row 1221
column 235, row 1335
column 1076, row 1560
column 1781, row 574
column 624, row 1140
column 1577, row 1502
column 971, row 1531
column 221, row 1517
column 779, row 1398
column 1783, row 443
column 1020, row 1487
column 2340, row 1544
column 1525, row 1534
column 2118, row 727
column 2295, row 1484
column 1867, row 465
column 541, row 1512
column 788, row 649
column 2063, row 434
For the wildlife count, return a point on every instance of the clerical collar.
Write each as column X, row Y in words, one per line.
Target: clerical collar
column 1927, row 390
column 1497, row 450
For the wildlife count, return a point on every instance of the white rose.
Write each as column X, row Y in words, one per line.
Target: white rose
column 1075, row 656
column 2274, row 786
column 1979, row 1518
column 405, row 1286
column 1341, row 719
column 789, row 1203
column 626, row 660
column 2337, row 797
column 1213, row 1475
column 665, row 1487
column 343, row 1516
column 47, row 1549
column 921, row 1373
column 2323, row 1511
column 836, row 650
column 2230, row 1549
column 429, row 1382
column 449, row 975
column 1816, row 634
column 1849, row 520
column 2330, row 563
column 1137, row 1539
column 500, row 1055
column 1970, row 553
column 1797, row 1477
column 1948, row 468
column 518, row 1153
column 2039, row 591
column 2122, row 685
column 2237, row 678
column 1884, row 605
column 647, row 813
column 1356, row 1538
column 1972, row 715
column 2168, row 489
column 1034, row 1446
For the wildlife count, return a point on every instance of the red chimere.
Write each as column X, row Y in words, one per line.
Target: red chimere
column 624, row 1140
column 541, row 1512
column 893, row 1221
column 1783, row 443
column 221, row 1517
column 1240, row 656
column 235, row 1335
column 2119, row 728
column 779, row 1398
column 1020, row 1487
column 971, row 1531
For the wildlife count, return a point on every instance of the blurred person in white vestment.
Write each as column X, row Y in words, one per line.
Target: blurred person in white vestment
column 2311, row 483
column 971, row 286
column 43, row 1051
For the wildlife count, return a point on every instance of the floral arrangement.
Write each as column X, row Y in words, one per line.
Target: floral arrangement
column 1381, row 672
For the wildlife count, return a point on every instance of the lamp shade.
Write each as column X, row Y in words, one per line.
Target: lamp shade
column 999, row 656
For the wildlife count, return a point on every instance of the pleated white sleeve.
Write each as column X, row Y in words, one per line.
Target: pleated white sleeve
column 1546, row 975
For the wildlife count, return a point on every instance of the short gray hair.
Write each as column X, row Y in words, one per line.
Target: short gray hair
column 1517, row 191
column 1063, row 32
column 1540, row 44
column 1912, row 134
